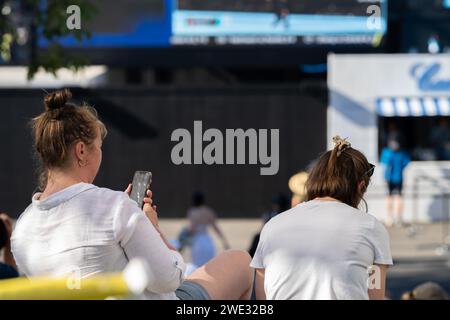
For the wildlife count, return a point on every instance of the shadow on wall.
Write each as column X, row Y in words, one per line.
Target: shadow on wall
column 115, row 115
column 351, row 109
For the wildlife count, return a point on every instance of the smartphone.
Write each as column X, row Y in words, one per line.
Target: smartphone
column 141, row 183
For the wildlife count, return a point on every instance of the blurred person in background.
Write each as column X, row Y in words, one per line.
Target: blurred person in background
column 8, row 267
column 324, row 248
column 202, row 217
column 426, row 291
column 72, row 223
column 440, row 140
column 394, row 160
column 394, row 134
column 281, row 9
column 280, row 203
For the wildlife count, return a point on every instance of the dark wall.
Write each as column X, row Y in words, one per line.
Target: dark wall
column 140, row 123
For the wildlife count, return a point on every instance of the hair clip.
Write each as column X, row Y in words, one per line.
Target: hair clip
column 340, row 144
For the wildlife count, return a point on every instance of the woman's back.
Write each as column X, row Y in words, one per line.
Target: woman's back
column 85, row 230
column 68, row 230
column 321, row 250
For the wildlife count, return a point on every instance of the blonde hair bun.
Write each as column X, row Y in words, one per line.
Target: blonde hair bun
column 57, row 99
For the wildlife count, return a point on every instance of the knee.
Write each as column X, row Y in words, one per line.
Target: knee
column 239, row 257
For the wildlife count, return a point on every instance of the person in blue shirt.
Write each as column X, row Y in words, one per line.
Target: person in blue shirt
column 394, row 160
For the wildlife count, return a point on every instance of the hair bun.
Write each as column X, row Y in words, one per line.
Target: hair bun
column 57, row 99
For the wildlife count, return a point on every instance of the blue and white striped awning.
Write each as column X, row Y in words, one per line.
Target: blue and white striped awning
column 413, row 107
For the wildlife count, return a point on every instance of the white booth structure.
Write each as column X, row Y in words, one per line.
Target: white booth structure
column 364, row 89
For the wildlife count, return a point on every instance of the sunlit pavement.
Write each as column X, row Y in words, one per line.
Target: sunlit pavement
column 419, row 256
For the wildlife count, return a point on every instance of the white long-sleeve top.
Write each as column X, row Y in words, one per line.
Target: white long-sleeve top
column 91, row 230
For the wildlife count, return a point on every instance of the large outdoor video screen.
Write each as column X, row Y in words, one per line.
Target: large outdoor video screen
column 166, row 23
column 289, row 22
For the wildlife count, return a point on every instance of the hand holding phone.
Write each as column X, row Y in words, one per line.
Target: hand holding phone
column 141, row 183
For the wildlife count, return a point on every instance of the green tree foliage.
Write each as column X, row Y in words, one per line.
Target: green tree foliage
column 49, row 19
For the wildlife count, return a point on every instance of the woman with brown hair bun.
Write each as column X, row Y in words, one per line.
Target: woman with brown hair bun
column 73, row 225
column 326, row 248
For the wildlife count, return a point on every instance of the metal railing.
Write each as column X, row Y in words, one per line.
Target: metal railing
column 416, row 194
column 444, row 247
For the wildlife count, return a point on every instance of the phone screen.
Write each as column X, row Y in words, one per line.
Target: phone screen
column 141, row 183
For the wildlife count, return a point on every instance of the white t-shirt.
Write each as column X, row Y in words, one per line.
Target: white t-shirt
column 320, row 250
column 93, row 230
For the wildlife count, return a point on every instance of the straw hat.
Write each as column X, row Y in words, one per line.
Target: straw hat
column 297, row 183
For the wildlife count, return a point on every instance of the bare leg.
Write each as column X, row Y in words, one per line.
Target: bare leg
column 226, row 277
column 389, row 204
column 399, row 208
